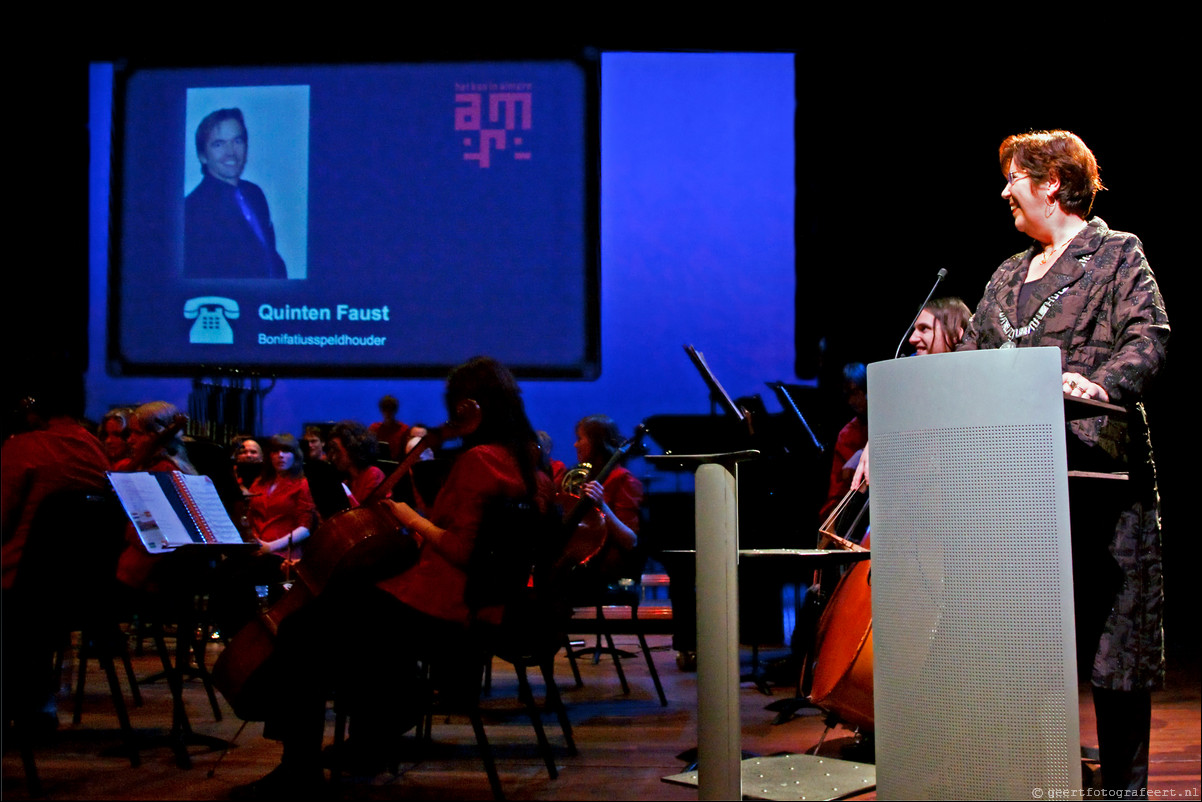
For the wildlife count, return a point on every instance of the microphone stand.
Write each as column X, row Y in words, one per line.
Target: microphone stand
column 940, row 277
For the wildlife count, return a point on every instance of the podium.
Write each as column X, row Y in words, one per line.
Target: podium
column 972, row 593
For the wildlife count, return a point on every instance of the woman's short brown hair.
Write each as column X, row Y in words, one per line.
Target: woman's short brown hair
column 1056, row 154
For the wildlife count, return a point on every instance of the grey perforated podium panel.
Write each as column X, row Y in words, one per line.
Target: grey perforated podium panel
column 972, row 599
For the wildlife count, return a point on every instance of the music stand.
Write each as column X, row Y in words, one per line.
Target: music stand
column 786, row 401
column 718, row 394
column 182, row 519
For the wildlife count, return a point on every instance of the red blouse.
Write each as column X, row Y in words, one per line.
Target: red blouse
column 275, row 511
column 624, row 495
column 436, row 584
column 368, row 480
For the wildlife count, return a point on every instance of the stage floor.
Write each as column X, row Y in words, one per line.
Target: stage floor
column 627, row 744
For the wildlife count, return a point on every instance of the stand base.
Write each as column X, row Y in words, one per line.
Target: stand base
column 796, row 777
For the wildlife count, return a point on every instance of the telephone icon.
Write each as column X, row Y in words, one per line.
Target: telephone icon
column 212, row 314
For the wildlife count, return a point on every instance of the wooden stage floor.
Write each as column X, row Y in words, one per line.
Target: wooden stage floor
column 626, row 743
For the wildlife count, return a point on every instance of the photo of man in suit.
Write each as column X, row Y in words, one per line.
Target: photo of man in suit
column 227, row 224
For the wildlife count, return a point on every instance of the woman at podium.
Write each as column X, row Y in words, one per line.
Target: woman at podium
column 1087, row 289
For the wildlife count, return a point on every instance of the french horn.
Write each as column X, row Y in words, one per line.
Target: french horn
column 576, row 478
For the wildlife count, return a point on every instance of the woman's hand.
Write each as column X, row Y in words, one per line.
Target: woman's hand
column 1080, row 387
column 407, row 515
column 623, row 535
column 594, row 492
column 849, row 467
column 861, row 476
column 420, row 528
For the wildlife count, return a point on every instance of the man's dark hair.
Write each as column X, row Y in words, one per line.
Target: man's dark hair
column 212, row 121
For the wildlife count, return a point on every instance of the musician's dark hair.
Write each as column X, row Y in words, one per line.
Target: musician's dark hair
column 953, row 315
column 315, row 431
column 1056, row 154
column 283, row 442
column 503, row 418
column 156, row 417
column 357, row 440
column 856, row 374
column 604, row 437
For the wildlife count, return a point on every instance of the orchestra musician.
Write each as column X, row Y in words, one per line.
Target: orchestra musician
column 849, row 445
column 49, row 454
column 156, row 443
column 281, row 511
column 363, row 642
column 248, row 461
column 620, row 494
column 352, row 450
column 114, row 435
column 940, row 326
column 280, row 515
column 391, row 434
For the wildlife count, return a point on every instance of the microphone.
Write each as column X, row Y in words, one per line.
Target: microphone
column 942, row 275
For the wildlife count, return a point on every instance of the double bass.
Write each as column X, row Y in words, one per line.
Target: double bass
column 361, row 546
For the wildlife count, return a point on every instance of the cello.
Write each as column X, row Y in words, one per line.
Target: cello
column 357, row 546
column 842, row 674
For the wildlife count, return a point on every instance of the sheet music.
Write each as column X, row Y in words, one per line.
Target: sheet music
column 154, row 515
column 204, row 493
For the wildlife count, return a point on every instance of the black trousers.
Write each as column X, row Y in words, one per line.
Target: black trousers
column 359, row 647
column 1124, row 732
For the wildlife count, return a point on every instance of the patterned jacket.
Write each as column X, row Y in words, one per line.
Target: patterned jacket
column 1109, row 321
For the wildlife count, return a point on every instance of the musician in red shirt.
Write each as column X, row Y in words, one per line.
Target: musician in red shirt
column 346, row 641
column 281, row 511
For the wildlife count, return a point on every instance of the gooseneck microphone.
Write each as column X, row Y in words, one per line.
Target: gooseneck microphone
column 942, row 275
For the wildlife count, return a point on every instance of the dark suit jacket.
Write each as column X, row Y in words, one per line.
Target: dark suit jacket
column 218, row 240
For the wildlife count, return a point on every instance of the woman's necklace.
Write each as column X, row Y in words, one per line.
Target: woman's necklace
column 1047, row 257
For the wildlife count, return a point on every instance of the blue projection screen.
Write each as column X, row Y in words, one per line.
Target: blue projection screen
column 356, row 219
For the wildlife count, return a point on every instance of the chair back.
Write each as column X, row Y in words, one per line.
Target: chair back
column 511, row 567
column 503, row 557
column 68, row 567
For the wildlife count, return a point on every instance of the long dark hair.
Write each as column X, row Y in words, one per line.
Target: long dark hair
column 503, row 418
column 953, row 316
column 283, row 442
